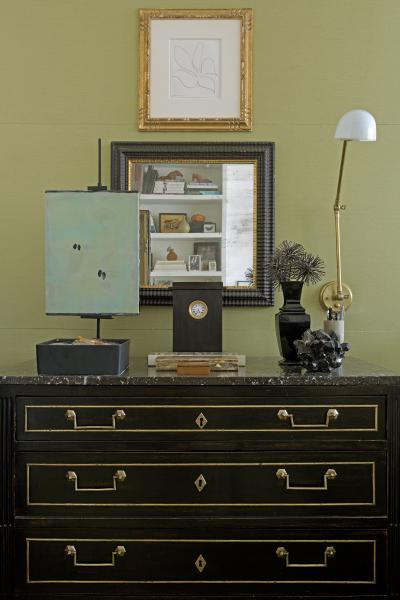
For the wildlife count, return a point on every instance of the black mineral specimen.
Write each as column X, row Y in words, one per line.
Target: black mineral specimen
column 320, row 351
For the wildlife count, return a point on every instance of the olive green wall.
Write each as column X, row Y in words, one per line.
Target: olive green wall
column 68, row 72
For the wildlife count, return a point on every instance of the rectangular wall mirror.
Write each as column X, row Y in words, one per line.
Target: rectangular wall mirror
column 206, row 214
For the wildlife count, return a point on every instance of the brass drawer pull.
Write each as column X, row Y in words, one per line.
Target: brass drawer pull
column 329, row 552
column 331, row 415
column 71, row 551
column 119, row 475
column 283, row 474
column 119, row 415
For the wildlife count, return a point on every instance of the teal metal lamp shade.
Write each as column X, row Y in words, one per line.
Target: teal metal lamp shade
column 92, row 253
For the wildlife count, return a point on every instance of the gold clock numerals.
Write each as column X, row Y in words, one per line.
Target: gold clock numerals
column 198, row 309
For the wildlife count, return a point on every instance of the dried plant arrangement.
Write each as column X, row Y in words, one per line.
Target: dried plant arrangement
column 291, row 262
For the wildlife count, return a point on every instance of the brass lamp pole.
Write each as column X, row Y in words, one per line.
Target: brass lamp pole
column 356, row 125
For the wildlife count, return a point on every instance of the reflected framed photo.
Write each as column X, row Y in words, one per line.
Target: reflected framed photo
column 195, row 262
column 209, row 252
column 195, row 69
column 243, row 283
column 172, row 222
column 209, row 227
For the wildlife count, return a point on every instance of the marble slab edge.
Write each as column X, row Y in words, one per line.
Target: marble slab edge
column 162, row 380
column 258, row 372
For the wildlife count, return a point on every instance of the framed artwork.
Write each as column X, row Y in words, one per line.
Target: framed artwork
column 144, row 246
column 172, row 222
column 209, row 227
column 243, row 283
column 89, row 269
column 195, row 69
column 194, row 262
column 209, row 252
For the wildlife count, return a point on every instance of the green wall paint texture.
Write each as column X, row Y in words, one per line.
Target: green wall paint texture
column 68, row 72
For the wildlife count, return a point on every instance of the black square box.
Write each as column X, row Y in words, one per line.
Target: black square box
column 63, row 357
column 197, row 335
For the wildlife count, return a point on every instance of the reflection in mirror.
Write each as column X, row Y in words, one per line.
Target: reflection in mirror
column 207, row 214
column 197, row 221
column 240, row 218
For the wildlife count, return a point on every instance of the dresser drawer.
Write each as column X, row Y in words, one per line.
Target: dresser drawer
column 267, row 483
column 360, row 417
column 329, row 562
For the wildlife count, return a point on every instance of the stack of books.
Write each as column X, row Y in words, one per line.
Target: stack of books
column 144, row 246
column 149, row 179
column 175, row 186
column 137, row 174
column 168, row 186
column 170, row 265
column 159, row 186
column 202, row 187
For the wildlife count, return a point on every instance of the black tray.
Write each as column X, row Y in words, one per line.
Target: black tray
column 62, row 357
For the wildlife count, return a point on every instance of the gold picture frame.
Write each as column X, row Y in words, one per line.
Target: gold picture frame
column 196, row 84
column 172, row 222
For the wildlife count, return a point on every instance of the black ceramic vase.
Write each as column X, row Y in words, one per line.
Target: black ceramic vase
column 291, row 321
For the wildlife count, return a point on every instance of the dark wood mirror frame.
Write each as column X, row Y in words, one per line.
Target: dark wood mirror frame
column 262, row 154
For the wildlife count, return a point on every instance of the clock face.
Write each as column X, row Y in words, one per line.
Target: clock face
column 198, row 309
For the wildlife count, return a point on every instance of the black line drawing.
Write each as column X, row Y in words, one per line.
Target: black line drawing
column 193, row 69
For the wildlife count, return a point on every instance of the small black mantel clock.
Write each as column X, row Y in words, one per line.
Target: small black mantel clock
column 197, row 319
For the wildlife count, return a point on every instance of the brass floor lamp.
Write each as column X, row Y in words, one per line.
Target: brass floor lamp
column 360, row 126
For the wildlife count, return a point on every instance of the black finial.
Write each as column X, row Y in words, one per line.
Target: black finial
column 99, row 187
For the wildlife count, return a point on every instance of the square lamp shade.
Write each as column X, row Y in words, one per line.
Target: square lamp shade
column 92, row 253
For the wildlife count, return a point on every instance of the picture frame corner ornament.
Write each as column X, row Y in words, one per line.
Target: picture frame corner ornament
column 248, row 19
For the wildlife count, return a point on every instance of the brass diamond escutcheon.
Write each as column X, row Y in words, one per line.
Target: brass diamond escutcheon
column 201, row 421
column 200, row 563
column 200, row 483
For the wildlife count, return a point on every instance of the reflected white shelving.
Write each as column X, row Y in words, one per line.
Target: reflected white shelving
column 207, row 207
column 219, row 197
column 185, row 236
column 176, row 198
column 167, row 274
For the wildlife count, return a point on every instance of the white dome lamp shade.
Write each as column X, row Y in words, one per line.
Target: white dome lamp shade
column 356, row 125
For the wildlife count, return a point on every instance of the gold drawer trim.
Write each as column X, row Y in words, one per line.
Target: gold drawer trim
column 202, row 541
column 205, row 408
column 233, row 504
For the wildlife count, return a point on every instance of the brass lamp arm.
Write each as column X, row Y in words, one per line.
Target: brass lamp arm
column 356, row 125
column 335, row 294
column 337, row 208
column 339, row 185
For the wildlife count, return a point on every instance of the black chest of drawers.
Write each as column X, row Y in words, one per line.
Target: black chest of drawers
column 258, row 485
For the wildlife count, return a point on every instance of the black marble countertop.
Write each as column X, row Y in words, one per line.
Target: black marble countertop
column 259, row 371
